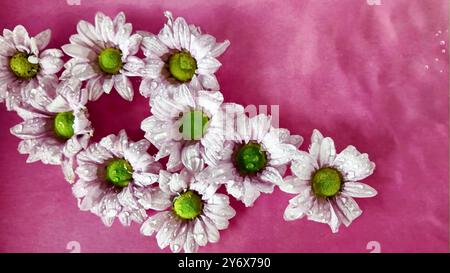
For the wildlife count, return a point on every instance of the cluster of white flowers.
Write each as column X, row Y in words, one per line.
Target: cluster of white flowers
column 207, row 143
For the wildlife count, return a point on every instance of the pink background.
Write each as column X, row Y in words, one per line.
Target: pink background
column 364, row 74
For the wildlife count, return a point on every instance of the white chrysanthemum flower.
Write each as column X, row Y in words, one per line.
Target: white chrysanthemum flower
column 183, row 118
column 256, row 156
column 193, row 213
column 326, row 183
column 55, row 127
column 25, row 64
column 111, row 173
column 180, row 55
column 103, row 55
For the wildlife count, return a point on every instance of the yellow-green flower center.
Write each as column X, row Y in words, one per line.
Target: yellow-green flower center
column 326, row 182
column 250, row 159
column 193, row 125
column 119, row 172
column 188, row 205
column 110, row 60
column 21, row 67
column 182, row 66
column 63, row 125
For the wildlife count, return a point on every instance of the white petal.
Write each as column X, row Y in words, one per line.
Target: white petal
column 67, row 167
column 358, row 190
column 334, row 221
column 152, row 45
column 95, row 88
column 6, row 48
column 303, row 165
column 201, row 45
column 42, row 39
column 108, row 84
column 21, row 37
column 208, row 65
column 293, row 184
column 89, row 34
column 83, row 71
column 199, row 232
column 190, row 245
column 182, row 33
column 166, row 109
column 119, row 19
column 52, row 52
column 348, row 207
column 133, row 66
column 124, row 87
column 327, row 152
column 87, row 171
column 174, row 163
column 164, row 236
column 191, row 158
column 219, row 49
column 144, row 179
column 154, row 198
column 79, row 52
column 154, row 223
column 178, row 182
column 127, row 199
column 179, row 238
column 354, row 165
column 245, row 191
column 132, row 45
column 50, row 65
column 299, row 205
column 271, row 175
column 293, row 212
column 259, row 126
column 32, row 128
column 210, row 101
column 320, row 211
column 211, row 229
column 183, row 96
column 209, row 81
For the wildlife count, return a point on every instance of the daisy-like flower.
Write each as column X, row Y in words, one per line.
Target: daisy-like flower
column 55, row 127
column 180, row 55
column 111, row 173
column 326, row 183
column 184, row 118
column 255, row 155
column 103, row 55
column 25, row 64
column 192, row 212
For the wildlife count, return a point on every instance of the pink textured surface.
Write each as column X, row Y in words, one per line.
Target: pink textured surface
column 357, row 72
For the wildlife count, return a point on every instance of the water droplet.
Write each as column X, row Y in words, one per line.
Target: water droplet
column 427, row 67
column 436, row 59
column 443, row 51
column 176, row 248
column 436, row 34
column 441, row 71
column 442, row 42
column 199, row 236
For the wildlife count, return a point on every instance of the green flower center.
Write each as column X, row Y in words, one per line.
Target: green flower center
column 188, row 205
column 110, row 60
column 250, row 159
column 326, row 182
column 63, row 125
column 182, row 66
column 119, row 172
column 21, row 67
column 194, row 124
